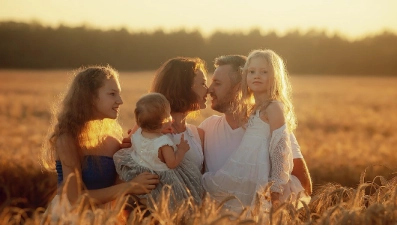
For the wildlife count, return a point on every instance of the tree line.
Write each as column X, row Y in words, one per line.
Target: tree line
column 34, row 46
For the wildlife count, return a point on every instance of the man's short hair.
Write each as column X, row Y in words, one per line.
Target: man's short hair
column 236, row 61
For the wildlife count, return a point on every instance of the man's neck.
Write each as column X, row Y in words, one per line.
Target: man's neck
column 232, row 120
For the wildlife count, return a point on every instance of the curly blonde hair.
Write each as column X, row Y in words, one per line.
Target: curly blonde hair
column 280, row 86
column 73, row 116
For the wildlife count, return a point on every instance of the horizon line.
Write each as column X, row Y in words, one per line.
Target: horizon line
column 263, row 31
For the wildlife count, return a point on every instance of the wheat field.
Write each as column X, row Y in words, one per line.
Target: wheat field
column 347, row 133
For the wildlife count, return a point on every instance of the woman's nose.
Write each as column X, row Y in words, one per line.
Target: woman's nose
column 120, row 100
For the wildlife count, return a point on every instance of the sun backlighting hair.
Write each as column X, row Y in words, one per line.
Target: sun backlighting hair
column 236, row 61
column 280, row 86
column 151, row 111
column 73, row 116
column 235, row 103
column 174, row 79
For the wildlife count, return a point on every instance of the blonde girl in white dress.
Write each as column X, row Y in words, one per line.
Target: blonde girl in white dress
column 264, row 156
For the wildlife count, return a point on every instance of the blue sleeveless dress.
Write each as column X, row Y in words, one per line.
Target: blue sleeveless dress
column 98, row 173
column 94, row 177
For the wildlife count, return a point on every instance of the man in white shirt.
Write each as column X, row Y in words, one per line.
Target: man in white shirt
column 223, row 134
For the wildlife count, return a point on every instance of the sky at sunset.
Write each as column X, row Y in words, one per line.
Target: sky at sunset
column 352, row 18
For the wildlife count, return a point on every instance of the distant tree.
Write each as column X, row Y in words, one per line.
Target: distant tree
column 32, row 45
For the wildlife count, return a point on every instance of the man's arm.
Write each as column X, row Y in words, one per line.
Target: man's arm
column 301, row 171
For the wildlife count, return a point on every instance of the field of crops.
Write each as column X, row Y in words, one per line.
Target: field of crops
column 347, row 126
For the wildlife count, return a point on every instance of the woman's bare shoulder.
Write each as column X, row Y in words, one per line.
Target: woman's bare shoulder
column 111, row 145
column 66, row 150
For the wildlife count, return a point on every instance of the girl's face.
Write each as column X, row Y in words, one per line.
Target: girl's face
column 259, row 75
column 108, row 101
column 200, row 88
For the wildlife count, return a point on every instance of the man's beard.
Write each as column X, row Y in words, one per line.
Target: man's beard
column 227, row 103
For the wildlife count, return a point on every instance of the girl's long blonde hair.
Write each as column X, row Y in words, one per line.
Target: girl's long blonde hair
column 73, row 116
column 280, row 86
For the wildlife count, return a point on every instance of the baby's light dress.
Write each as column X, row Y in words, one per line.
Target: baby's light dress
column 143, row 157
column 261, row 157
column 195, row 153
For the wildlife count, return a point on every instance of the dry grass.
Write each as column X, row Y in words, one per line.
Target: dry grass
column 333, row 205
column 347, row 125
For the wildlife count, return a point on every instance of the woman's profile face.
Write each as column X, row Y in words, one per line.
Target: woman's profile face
column 108, row 101
column 200, row 88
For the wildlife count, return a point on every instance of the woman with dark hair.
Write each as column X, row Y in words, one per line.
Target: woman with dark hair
column 183, row 82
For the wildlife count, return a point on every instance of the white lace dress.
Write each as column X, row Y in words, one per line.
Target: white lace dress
column 262, row 157
column 143, row 156
column 195, row 153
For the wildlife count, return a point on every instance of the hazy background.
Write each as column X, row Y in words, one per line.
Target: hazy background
column 313, row 36
column 353, row 18
column 342, row 56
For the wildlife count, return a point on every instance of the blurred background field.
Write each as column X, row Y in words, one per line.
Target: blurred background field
column 342, row 56
column 347, row 124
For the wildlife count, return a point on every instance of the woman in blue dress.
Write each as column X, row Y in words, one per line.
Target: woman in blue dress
column 83, row 140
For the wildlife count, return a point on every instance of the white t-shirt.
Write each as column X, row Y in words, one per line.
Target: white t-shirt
column 221, row 141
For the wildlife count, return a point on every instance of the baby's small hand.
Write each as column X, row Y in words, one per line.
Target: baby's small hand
column 126, row 142
column 183, row 145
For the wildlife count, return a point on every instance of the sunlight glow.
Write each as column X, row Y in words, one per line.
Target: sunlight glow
column 351, row 18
